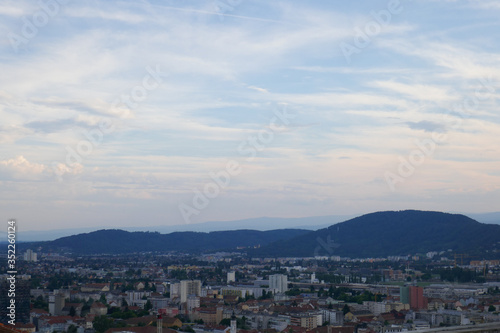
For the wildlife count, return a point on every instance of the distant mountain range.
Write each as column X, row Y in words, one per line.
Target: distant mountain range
column 373, row 235
column 394, row 233
column 261, row 223
column 492, row 218
column 119, row 241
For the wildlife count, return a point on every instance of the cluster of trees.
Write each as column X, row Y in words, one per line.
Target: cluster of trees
column 494, row 291
column 330, row 278
column 64, row 280
column 266, row 295
column 41, row 303
column 103, row 323
column 358, row 297
column 216, row 275
column 341, row 293
column 458, row 274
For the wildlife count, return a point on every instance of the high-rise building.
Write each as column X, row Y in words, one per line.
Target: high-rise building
column 193, row 302
column 278, row 282
column 231, row 277
column 334, row 317
column 404, row 295
column 56, row 303
column 175, row 290
column 189, row 287
column 20, row 292
column 30, row 256
column 417, row 299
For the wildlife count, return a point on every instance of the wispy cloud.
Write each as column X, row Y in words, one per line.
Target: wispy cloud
column 222, row 79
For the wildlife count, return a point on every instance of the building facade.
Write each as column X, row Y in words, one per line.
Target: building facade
column 278, row 283
column 189, row 287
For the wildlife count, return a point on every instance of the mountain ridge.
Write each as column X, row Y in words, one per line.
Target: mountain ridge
column 116, row 241
column 378, row 234
column 381, row 234
column 260, row 223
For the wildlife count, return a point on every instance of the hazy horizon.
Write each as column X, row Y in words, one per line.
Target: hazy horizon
column 260, row 223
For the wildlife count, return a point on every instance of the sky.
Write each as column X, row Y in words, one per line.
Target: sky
column 148, row 112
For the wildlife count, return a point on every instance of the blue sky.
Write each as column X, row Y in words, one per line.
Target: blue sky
column 347, row 108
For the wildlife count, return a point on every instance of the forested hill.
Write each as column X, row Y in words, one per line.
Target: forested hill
column 383, row 234
column 119, row 241
column 372, row 235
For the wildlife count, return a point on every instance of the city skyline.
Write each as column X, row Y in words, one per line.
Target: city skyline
column 119, row 114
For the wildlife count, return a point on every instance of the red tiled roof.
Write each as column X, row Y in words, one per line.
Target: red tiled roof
column 8, row 329
column 21, row 325
column 98, row 305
